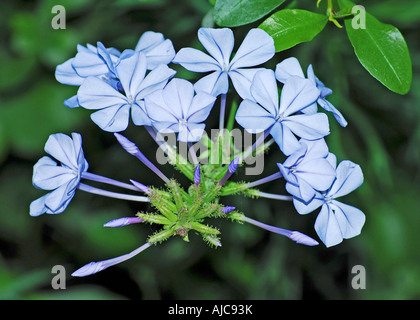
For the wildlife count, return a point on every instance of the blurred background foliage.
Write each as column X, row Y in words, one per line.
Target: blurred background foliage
column 383, row 136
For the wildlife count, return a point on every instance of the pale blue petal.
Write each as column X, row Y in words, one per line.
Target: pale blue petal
column 47, row 175
column 37, row 207
column 139, row 115
column 96, row 94
column 192, row 132
column 196, row 60
column 64, row 149
column 284, row 138
column 296, row 95
column 178, row 95
column 157, row 109
column 327, row 227
column 349, row 178
column 214, row 83
column 327, row 106
column 163, row 53
column 57, row 201
column 66, row 74
column 218, row 43
column 149, row 40
column 131, row 72
column 112, row 119
column 265, row 92
column 72, row 102
column 155, row 80
column 257, row 48
column 315, row 148
column 252, row 117
column 308, row 207
column 242, row 80
column 318, row 173
column 310, row 127
column 288, row 68
column 88, row 63
column 200, row 107
column 349, row 218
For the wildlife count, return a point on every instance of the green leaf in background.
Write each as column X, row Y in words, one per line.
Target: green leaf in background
column 232, row 13
column 382, row 51
column 290, row 27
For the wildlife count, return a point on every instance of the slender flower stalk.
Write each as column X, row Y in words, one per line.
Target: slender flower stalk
column 296, row 236
column 121, row 222
column 95, row 267
column 272, row 177
column 273, row 196
column 98, row 178
column 131, row 148
column 222, row 111
column 105, row 193
column 257, row 143
column 193, row 155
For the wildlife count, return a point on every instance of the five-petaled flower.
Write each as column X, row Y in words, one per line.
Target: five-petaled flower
column 62, row 178
column 291, row 67
column 308, row 170
column 265, row 112
column 114, row 107
column 336, row 221
column 257, row 48
column 176, row 109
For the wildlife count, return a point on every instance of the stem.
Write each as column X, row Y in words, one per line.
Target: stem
column 272, row 177
column 222, row 111
column 273, row 196
column 192, row 154
column 98, row 178
column 257, row 143
column 110, row 194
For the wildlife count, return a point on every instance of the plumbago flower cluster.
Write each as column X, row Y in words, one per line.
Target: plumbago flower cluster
column 138, row 84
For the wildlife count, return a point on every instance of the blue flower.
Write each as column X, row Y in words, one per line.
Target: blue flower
column 336, row 221
column 156, row 48
column 176, row 109
column 114, row 107
column 90, row 61
column 257, row 48
column 291, row 67
column 308, row 170
column 62, row 178
column 264, row 112
column 100, row 62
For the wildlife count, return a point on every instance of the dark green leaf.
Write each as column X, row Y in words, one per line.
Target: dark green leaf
column 290, row 27
column 382, row 51
column 232, row 13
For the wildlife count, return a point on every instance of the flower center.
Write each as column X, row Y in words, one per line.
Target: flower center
column 182, row 122
column 328, row 199
column 130, row 99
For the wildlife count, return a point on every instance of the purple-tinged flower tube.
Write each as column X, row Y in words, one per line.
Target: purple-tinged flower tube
column 131, row 148
column 95, row 267
column 228, row 209
column 197, row 175
column 296, row 236
column 231, row 169
column 140, row 186
column 121, row 222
